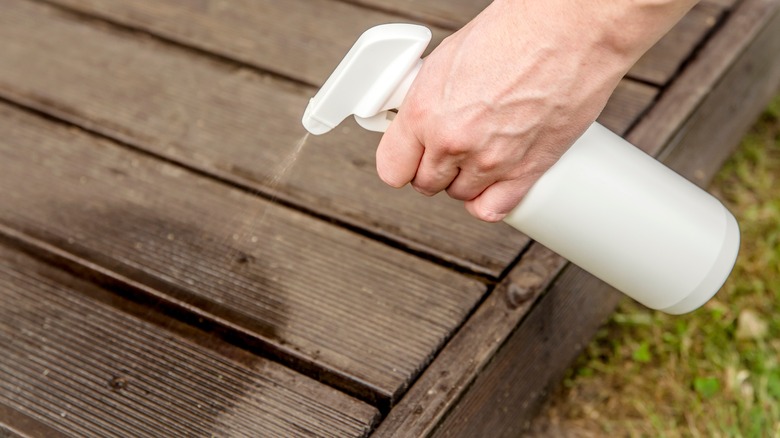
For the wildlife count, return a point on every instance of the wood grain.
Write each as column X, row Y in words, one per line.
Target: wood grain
column 74, row 364
column 352, row 311
column 452, row 14
column 444, row 382
column 281, row 36
column 241, row 125
column 299, row 39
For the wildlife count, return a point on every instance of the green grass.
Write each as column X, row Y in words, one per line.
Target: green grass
column 712, row 373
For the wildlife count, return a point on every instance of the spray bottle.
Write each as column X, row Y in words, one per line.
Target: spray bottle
column 605, row 205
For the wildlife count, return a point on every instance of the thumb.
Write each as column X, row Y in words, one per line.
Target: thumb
column 398, row 154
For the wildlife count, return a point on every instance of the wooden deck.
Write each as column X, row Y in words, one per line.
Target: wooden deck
column 167, row 269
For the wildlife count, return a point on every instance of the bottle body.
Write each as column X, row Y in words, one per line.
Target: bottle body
column 632, row 222
column 605, row 205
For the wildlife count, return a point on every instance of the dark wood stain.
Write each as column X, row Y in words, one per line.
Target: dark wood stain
column 733, row 104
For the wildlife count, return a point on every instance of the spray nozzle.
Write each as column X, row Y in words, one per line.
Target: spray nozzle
column 372, row 79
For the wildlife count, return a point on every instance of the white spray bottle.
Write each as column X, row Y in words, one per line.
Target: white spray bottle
column 605, row 205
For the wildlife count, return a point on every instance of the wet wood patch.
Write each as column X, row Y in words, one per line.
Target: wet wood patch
column 75, row 365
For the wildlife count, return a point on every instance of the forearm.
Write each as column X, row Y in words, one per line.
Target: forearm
column 624, row 28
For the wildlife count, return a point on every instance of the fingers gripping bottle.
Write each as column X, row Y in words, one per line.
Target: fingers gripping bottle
column 605, row 205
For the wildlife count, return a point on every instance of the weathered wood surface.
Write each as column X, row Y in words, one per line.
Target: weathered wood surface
column 464, row 358
column 189, row 120
column 356, row 313
column 726, row 86
column 73, row 364
column 239, row 124
column 299, row 39
column 506, row 394
column 660, row 64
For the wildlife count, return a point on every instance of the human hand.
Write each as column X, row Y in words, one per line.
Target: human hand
column 498, row 102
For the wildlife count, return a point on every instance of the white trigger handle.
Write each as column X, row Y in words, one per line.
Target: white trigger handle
column 372, row 79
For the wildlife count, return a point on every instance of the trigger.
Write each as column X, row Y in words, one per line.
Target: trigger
column 379, row 123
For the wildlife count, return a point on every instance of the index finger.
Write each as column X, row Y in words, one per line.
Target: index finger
column 398, row 154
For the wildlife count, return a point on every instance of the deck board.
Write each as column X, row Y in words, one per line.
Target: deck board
column 299, row 39
column 167, row 268
column 658, row 65
column 73, row 364
column 239, row 124
column 305, row 288
column 280, row 36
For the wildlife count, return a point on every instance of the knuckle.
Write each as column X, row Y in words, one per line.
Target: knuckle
column 461, row 196
column 456, row 194
column 488, row 164
column 454, row 147
column 422, row 189
column 452, row 143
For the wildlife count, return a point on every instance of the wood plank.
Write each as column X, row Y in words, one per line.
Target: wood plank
column 733, row 104
column 452, row 14
column 682, row 99
column 506, row 392
column 352, row 311
column 300, row 39
column 660, row 64
column 627, row 105
column 304, row 39
column 725, row 73
column 241, row 125
column 726, row 4
column 76, row 365
column 505, row 396
column 442, row 384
